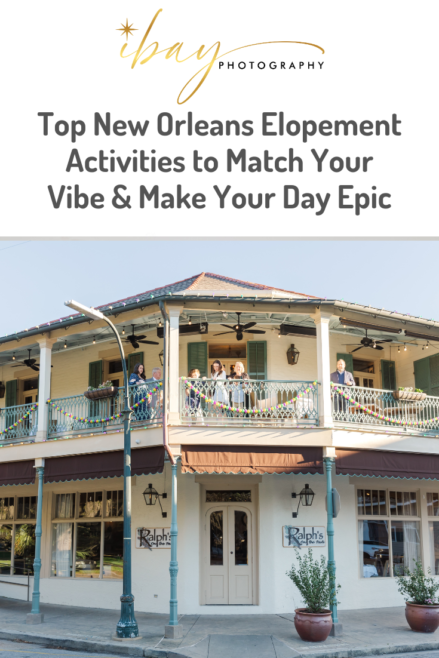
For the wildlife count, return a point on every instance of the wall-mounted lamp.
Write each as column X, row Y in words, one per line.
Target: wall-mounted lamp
column 151, row 496
column 161, row 357
column 293, row 355
column 306, row 497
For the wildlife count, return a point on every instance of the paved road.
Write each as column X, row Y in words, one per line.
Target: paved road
column 25, row 650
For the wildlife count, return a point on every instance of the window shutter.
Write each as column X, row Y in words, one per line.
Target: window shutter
column 434, row 375
column 11, row 393
column 95, row 370
column 136, row 357
column 257, row 359
column 197, row 357
column 388, row 375
column 349, row 360
column 422, row 374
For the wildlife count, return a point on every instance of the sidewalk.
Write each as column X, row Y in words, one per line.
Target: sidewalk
column 366, row 632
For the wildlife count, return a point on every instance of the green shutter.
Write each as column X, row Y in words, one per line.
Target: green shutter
column 11, row 393
column 257, row 359
column 422, row 374
column 349, row 360
column 95, row 373
column 133, row 359
column 434, row 375
column 388, row 375
column 197, row 357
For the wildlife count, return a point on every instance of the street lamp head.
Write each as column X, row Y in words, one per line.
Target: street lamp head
column 86, row 310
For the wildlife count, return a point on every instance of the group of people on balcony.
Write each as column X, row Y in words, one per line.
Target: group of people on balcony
column 148, row 396
column 239, row 396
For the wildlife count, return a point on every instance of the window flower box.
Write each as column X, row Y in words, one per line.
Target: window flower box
column 409, row 395
column 105, row 390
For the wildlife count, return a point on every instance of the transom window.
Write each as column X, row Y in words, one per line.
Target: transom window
column 87, row 535
column 228, row 497
column 387, row 544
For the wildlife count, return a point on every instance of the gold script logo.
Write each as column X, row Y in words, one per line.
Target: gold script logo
column 212, row 54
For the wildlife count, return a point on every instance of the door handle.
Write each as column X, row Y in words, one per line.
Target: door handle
column 231, row 552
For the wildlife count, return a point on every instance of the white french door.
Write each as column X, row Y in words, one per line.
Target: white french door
column 228, row 555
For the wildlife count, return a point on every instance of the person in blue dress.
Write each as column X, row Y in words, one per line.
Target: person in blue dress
column 137, row 378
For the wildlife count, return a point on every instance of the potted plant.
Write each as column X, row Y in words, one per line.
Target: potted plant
column 105, row 390
column 407, row 393
column 419, row 591
column 311, row 577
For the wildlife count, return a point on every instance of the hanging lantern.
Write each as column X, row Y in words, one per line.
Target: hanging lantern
column 161, row 357
column 293, row 355
column 151, row 496
column 306, row 497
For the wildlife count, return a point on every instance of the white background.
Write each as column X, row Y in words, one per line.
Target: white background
column 380, row 58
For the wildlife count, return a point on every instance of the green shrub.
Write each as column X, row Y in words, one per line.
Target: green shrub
column 311, row 578
column 416, row 587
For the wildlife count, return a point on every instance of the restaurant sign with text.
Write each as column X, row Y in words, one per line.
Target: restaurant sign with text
column 298, row 536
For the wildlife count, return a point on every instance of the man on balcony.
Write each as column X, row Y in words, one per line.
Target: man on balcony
column 343, row 378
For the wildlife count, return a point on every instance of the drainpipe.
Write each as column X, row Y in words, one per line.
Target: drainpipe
column 35, row 616
column 165, row 382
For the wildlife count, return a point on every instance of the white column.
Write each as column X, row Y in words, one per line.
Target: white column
column 174, row 362
column 44, row 386
column 324, row 368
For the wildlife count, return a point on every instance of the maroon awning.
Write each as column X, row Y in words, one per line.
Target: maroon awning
column 387, row 464
column 144, row 461
column 254, row 459
column 17, row 472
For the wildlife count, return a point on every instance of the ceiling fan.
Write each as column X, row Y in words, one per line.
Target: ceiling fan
column 370, row 342
column 241, row 329
column 135, row 340
column 30, row 363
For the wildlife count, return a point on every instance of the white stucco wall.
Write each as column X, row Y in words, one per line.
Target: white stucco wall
column 150, row 569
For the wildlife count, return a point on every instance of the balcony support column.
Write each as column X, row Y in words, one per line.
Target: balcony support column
column 329, row 461
column 173, row 629
column 35, row 616
column 174, row 362
column 322, row 320
column 46, row 345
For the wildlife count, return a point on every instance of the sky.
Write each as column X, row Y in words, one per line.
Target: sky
column 38, row 276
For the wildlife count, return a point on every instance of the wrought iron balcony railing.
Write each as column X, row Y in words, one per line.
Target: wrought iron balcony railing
column 19, row 422
column 234, row 401
column 76, row 414
column 371, row 406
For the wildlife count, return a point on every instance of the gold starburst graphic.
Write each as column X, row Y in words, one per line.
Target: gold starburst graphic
column 127, row 29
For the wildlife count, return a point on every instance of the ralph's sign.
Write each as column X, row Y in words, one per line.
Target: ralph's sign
column 153, row 538
column 298, row 536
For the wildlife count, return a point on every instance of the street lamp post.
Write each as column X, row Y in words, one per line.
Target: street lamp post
column 126, row 628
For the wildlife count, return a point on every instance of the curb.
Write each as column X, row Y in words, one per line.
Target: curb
column 126, row 649
column 91, row 646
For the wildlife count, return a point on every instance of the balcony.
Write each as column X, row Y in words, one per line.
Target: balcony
column 19, row 422
column 355, row 405
column 249, row 402
column 76, row 415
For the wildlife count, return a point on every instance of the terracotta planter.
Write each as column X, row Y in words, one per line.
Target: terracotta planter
column 313, row 626
column 422, row 618
column 409, row 395
column 101, row 393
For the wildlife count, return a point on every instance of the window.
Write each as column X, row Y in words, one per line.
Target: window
column 365, row 366
column 17, row 539
column 432, row 504
column 87, row 541
column 433, row 527
column 228, row 497
column 227, row 351
column 30, row 384
column 115, row 366
column 388, row 545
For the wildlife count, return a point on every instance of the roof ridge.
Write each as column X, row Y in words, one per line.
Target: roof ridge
column 198, row 278
column 259, row 285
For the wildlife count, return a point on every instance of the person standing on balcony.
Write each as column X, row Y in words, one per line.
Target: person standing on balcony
column 193, row 397
column 240, row 396
column 154, row 399
column 220, row 393
column 137, row 378
column 343, row 378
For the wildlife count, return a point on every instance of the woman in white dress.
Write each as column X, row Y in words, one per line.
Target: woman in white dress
column 219, row 375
